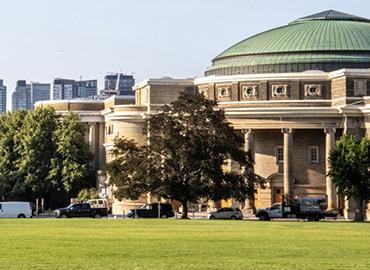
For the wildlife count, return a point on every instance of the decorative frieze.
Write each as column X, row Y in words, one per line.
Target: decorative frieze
column 224, row 93
column 312, row 90
column 360, row 87
column 204, row 92
column 279, row 90
column 249, row 91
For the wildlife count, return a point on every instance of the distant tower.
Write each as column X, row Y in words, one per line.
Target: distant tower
column 2, row 97
column 86, row 89
column 70, row 89
column 64, row 89
column 21, row 97
column 39, row 92
column 118, row 84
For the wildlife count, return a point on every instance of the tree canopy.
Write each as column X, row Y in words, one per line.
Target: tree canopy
column 189, row 145
column 41, row 154
column 87, row 194
column 350, row 170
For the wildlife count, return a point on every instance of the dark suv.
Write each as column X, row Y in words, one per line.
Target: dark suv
column 151, row 211
column 81, row 210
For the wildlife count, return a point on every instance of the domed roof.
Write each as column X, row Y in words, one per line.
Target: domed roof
column 327, row 41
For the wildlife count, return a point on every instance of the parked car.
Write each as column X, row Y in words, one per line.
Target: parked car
column 226, row 213
column 312, row 209
column 151, row 211
column 16, row 210
column 81, row 210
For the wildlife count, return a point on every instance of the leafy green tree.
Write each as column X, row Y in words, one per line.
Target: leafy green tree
column 190, row 143
column 350, row 170
column 11, row 184
column 87, row 194
column 41, row 154
column 37, row 150
column 133, row 169
column 71, row 163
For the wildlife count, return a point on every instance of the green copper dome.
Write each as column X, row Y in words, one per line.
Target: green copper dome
column 326, row 41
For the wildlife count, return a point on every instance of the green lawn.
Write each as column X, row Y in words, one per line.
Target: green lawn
column 182, row 244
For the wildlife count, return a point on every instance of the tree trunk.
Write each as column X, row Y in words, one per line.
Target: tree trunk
column 184, row 210
column 359, row 213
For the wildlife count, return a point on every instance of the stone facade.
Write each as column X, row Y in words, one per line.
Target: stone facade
column 290, row 121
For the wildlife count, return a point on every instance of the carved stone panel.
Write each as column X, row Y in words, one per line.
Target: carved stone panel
column 223, row 93
column 312, row 90
column 279, row 90
column 204, row 91
column 360, row 87
column 249, row 91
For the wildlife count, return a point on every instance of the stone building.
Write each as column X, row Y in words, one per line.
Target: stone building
column 291, row 91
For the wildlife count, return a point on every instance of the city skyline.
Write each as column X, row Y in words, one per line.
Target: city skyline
column 94, row 38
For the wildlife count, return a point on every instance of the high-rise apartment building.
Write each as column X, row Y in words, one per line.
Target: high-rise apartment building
column 64, row 89
column 2, row 97
column 118, row 84
column 27, row 94
column 21, row 97
column 70, row 89
column 87, row 89
column 39, row 92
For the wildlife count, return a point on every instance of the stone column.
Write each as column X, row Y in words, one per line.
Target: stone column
column 330, row 187
column 101, row 146
column 92, row 138
column 87, row 132
column 352, row 126
column 288, row 164
column 249, row 206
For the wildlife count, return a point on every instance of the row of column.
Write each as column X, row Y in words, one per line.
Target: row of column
column 95, row 136
column 288, row 177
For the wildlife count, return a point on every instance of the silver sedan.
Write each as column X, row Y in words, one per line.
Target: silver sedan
column 226, row 213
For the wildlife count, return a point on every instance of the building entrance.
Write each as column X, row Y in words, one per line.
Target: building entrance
column 278, row 193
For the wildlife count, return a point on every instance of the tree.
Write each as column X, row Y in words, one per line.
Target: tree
column 350, row 170
column 71, row 163
column 87, row 194
column 190, row 144
column 37, row 151
column 41, row 154
column 11, row 184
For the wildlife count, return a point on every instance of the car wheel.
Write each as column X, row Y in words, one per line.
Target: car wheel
column 21, row 216
column 233, row 217
column 264, row 216
column 63, row 216
column 163, row 216
column 97, row 216
column 212, row 217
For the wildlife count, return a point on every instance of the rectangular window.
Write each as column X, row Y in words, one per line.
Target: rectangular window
column 313, row 152
column 279, row 154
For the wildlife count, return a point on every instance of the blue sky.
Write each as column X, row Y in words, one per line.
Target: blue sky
column 44, row 39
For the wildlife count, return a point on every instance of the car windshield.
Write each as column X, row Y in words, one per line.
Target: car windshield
column 276, row 206
column 146, row 206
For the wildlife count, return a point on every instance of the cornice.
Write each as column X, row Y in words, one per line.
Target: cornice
column 306, row 75
column 165, row 81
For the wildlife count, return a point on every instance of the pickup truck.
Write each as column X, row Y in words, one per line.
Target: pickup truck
column 81, row 210
column 312, row 209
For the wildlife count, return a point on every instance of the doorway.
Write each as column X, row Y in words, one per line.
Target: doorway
column 278, row 194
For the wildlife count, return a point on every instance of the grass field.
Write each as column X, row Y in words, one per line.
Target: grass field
column 182, row 244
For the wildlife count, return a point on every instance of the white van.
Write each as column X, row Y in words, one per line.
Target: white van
column 15, row 210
